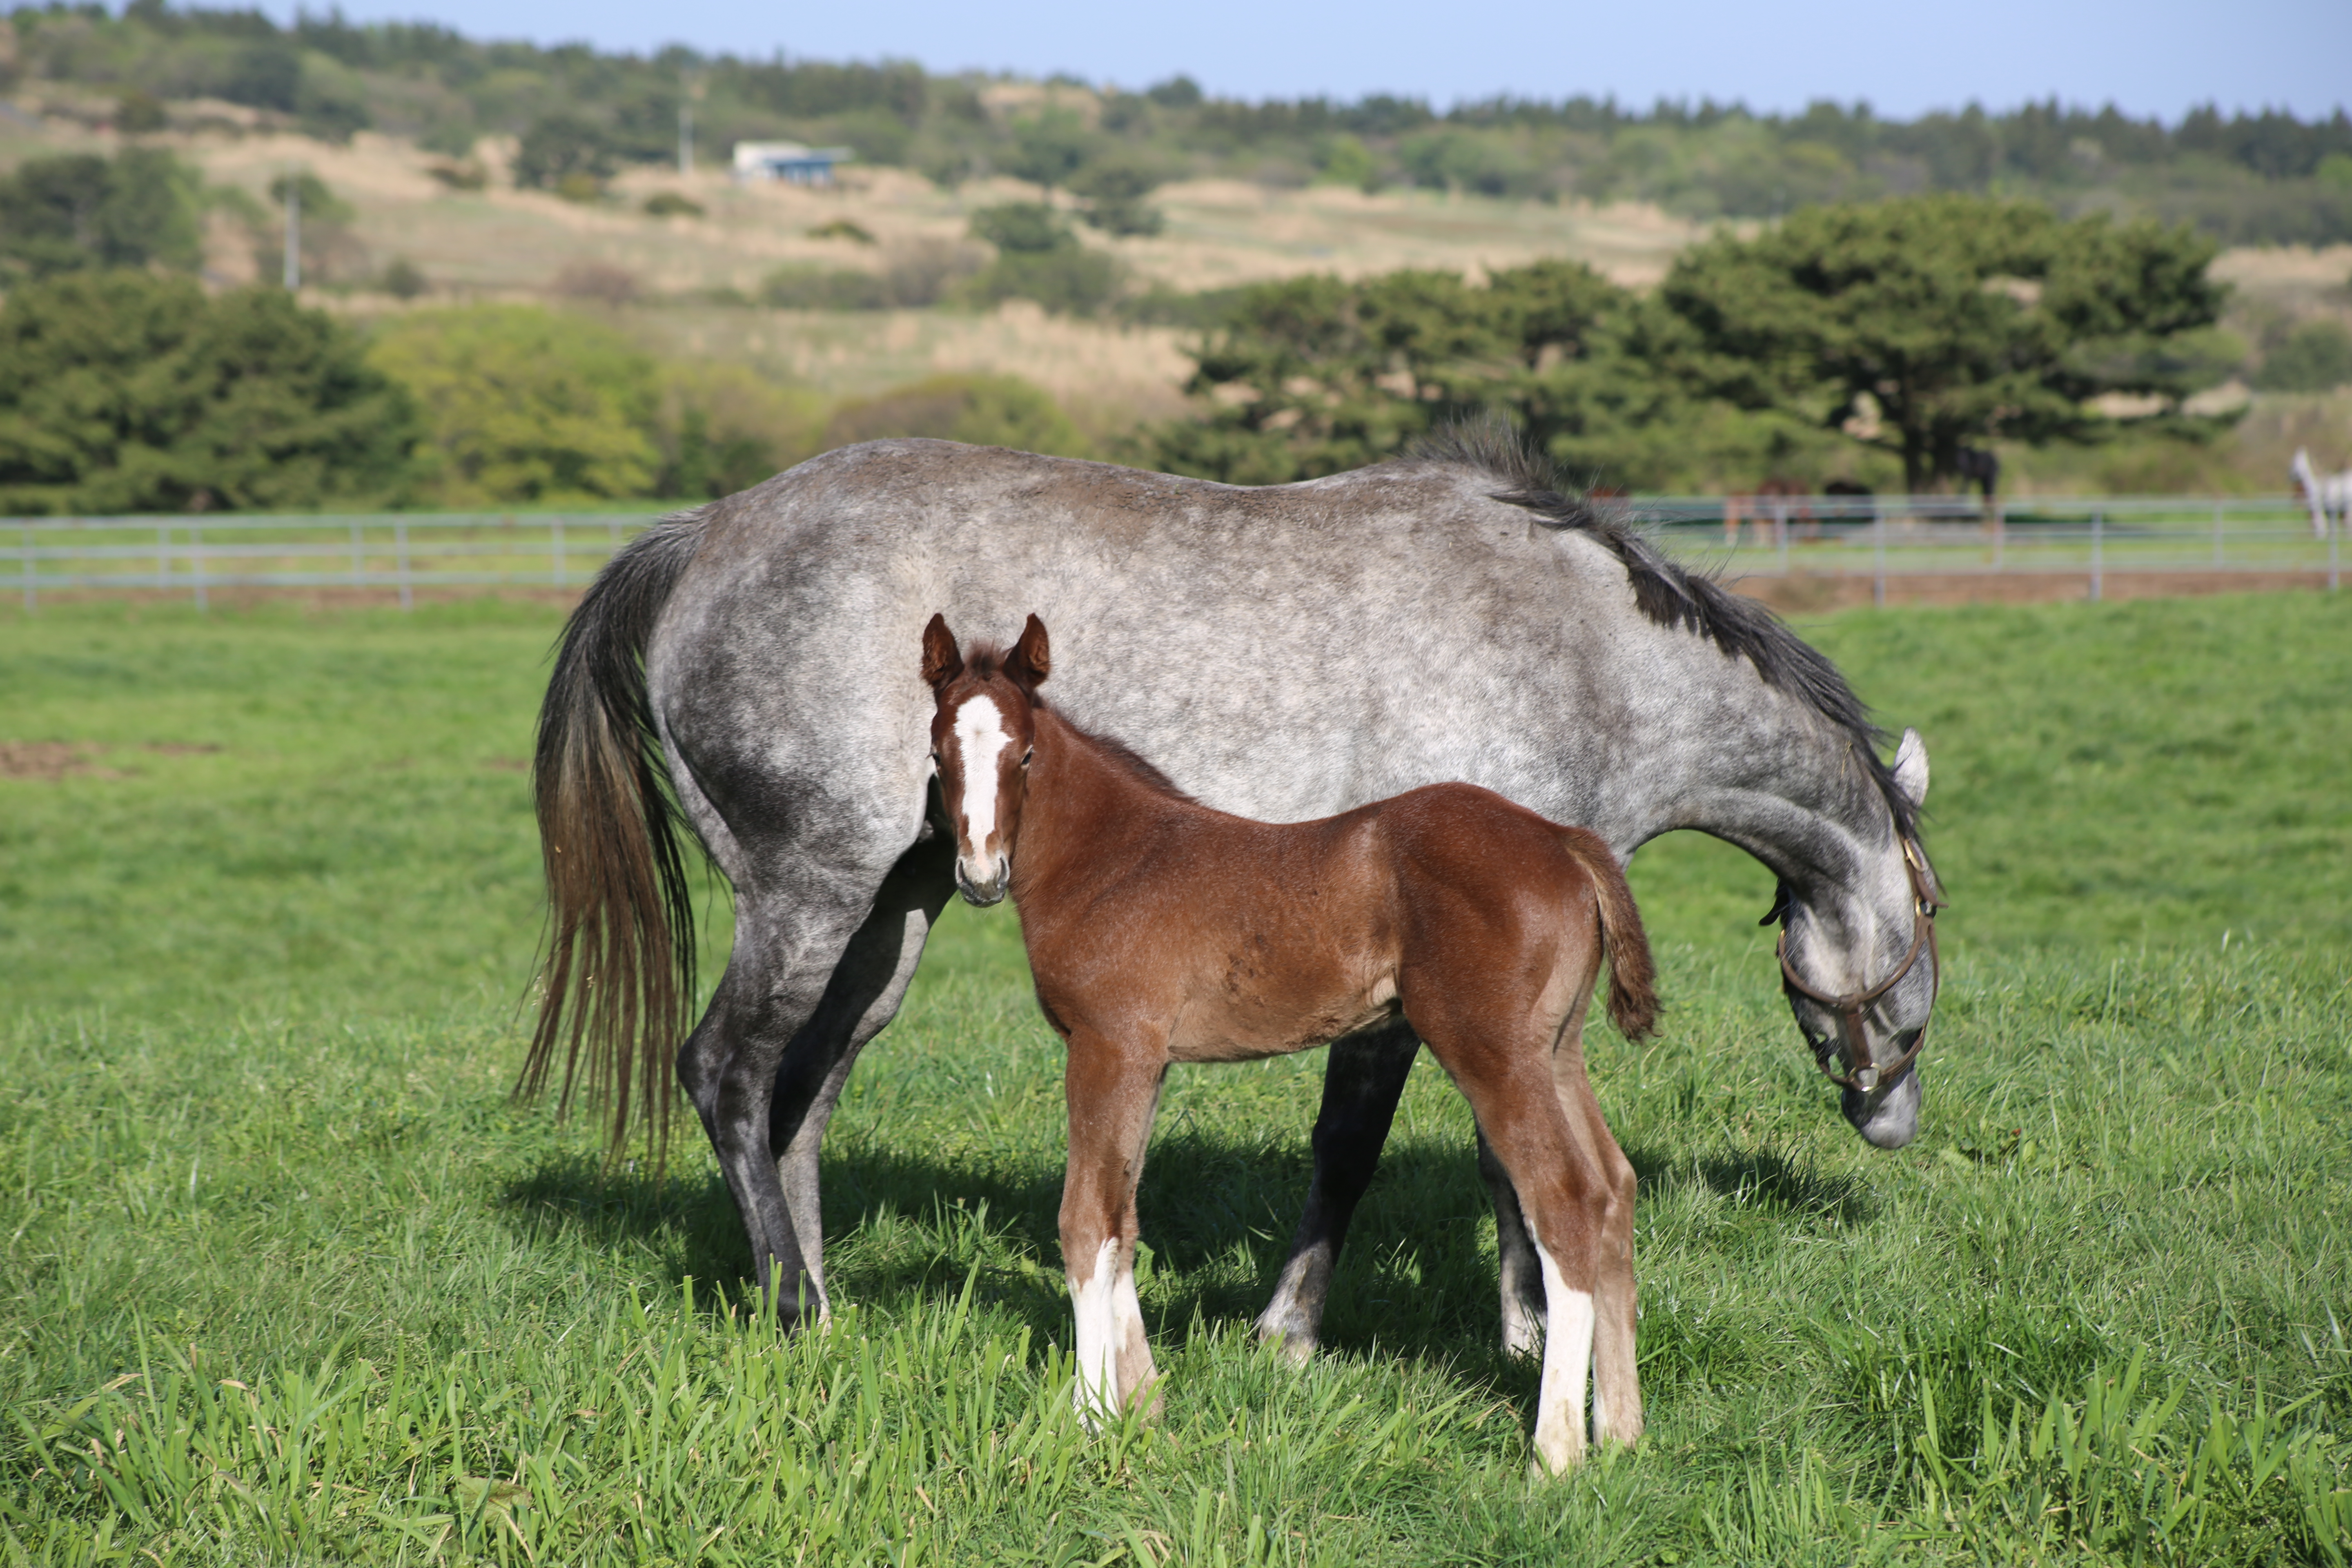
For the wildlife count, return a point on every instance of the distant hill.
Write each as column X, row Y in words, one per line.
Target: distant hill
column 2247, row 179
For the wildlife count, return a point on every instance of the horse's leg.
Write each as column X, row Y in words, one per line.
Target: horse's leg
column 861, row 997
column 1113, row 1091
column 1516, row 1270
column 1362, row 1081
column 791, row 941
column 1616, row 1377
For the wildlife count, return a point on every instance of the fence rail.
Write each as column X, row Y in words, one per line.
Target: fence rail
column 399, row 552
column 2089, row 537
column 1740, row 536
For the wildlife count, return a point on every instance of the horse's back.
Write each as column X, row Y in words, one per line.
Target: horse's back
column 1283, row 651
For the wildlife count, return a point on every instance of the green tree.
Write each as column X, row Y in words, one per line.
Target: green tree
column 1312, row 376
column 564, row 147
column 525, row 405
column 75, row 210
column 1038, row 258
column 1048, row 148
column 127, row 392
column 721, row 428
column 1114, row 189
column 2314, row 357
column 1927, row 323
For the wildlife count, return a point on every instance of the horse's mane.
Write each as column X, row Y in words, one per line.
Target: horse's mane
column 1671, row 595
column 986, row 659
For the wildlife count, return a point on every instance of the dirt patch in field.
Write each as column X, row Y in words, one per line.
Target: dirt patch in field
column 1805, row 595
column 49, row 761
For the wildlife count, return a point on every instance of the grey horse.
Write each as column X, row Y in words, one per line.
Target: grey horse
column 1451, row 616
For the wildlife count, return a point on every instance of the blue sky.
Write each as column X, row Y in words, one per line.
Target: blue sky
column 2158, row 57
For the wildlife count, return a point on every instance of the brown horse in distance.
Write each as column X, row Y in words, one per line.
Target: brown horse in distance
column 1160, row 931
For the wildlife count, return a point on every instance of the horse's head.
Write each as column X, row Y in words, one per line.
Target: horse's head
column 1860, row 968
column 981, row 735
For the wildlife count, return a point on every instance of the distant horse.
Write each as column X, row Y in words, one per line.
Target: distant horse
column 1980, row 467
column 1776, row 501
column 1449, row 616
column 1159, row 931
column 2329, row 496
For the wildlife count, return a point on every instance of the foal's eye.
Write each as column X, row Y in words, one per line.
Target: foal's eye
column 1027, row 755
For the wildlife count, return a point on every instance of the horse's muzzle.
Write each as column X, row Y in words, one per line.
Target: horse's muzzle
column 1888, row 1120
column 984, row 891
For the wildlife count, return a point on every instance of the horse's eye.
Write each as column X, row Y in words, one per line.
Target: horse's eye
column 1027, row 755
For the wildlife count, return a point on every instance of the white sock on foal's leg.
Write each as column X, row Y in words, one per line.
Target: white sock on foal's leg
column 1567, row 1357
column 1097, row 1300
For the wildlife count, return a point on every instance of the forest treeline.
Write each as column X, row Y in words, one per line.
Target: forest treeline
column 2241, row 178
column 1872, row 344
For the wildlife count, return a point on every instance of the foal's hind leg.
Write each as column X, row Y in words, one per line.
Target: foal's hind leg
column 1563, row 1193
column 1516, row 1268
column 1617, row 1415
column 1362, row 1082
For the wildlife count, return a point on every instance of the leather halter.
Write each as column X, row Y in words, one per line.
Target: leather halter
column 1862, row 1075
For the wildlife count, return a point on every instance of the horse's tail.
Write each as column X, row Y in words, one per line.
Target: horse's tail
column 616, row 984
column 1633, row 996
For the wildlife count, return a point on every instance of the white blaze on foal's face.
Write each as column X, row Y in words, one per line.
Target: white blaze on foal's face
column 981, row 739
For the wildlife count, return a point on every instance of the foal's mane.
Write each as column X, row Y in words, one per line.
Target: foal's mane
column 986, row 659
column 1670, row 593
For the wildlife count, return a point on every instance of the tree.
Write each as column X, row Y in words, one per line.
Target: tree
column 1929, row 323
column 76, row 210
column 1039, row 258
column 1312, row 376
column 1048, row 148
column 127, row 392
column 566, row 154
column 1114, row 189
column 525, row 405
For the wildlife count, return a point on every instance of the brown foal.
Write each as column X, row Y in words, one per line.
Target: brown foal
column 1160, row 931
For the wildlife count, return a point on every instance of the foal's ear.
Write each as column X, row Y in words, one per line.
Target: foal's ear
column 1031, row 661
column 1911, row 767
column 942, row 660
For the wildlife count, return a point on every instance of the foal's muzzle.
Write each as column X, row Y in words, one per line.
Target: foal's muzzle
column 985, row 889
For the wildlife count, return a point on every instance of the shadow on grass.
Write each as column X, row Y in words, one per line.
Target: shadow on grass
column 1416, row 1281
column 1761, row 1181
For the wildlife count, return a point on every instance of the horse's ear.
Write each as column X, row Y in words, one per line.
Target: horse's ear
column 1031, row 661
column 942, row 662
column 1911, row 767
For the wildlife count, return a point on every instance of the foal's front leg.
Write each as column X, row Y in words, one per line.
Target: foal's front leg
column 1113, row 1091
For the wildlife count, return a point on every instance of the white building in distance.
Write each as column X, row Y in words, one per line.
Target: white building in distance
column 788, row 162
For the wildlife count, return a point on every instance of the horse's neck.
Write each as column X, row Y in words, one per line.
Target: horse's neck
column 1797, row 795
column 1080, row 801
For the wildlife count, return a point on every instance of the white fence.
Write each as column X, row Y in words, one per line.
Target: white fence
column 398, row 552
column 1836, row 537
column 2086, row 537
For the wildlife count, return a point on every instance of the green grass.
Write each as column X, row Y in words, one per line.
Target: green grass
column 287, row 1276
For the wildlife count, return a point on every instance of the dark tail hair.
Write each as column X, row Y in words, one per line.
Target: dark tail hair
column 1633, row 999
column 616, row 986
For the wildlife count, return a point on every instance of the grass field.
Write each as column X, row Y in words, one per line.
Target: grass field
column 287, row 1278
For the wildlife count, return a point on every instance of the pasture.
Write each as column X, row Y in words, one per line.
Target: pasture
column 286, row 1278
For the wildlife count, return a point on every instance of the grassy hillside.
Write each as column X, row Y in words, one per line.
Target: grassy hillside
column 287, row 1277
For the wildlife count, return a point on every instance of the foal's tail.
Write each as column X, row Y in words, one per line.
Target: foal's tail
column 1632, row 1000
column 616, row 984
